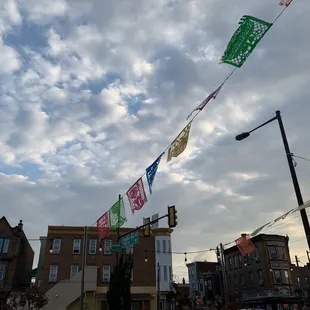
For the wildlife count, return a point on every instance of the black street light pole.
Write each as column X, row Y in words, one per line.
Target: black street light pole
column 288, row 153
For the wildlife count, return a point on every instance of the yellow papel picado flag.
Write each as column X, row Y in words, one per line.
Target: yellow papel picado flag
column 178, row 146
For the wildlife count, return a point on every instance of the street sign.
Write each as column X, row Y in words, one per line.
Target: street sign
column 116, row 247
column 130, row 240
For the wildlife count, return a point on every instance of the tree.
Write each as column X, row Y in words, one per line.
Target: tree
column 118, row 295
column 32, row 299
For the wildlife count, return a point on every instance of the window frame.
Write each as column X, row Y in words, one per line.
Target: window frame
column 286, row 277
column 275, row 278
column 251, row 277
column 73, row 246
column 276, row 257
column 236, row 261
column 107, row 249
column 2, row 272
column 230, row 263
column 92, row 247
column 5, row 243
column 50, row 273
column 77, row 271
column 257, row 256
column 280, row 249
column 164, row 246
column 165, row 271
column 54, row 248
column 104, row 272
column 260, row 276
column 158, row 246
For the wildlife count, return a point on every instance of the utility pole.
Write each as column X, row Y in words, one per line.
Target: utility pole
column 298, row 275
column 224, row 276
column 117, row 231
column 218, row 255
column 158, row 286
column 298, row 194
column 83, row 268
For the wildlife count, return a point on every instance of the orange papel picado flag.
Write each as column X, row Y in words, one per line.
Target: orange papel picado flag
column 178, row 146
column 245, row 245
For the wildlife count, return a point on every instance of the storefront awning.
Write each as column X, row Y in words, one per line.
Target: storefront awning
column 136, row 297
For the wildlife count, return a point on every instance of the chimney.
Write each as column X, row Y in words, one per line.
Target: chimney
column 183, row 281
column 20, row 225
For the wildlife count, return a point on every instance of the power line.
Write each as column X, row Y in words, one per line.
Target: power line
column 300, row 157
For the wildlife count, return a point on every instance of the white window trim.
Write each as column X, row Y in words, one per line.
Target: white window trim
column 164, row 246
column 56, row 248
column 107, row 250
column 92, row 248
column 165, row 273
column 55, row 271
column 158, row 246
column 74, row 270
column 73, row 246
column 2, row 271
column 105, row 278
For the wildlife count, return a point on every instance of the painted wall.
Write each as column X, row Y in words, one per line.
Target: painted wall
column 164, row 258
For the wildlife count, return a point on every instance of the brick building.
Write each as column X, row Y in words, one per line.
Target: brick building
column 16, row 259
column 264, row 278
column 204, row 280
column 60, row 264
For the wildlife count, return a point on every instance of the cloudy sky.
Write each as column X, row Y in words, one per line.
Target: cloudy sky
column 93, row 91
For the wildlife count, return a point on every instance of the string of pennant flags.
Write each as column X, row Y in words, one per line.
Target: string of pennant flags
column 244, row 243
column 244, row 40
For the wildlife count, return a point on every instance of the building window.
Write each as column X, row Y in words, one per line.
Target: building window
column 164, row 246
column 74, row 270
column 241, row 280
column 201, row 287
column 273, row 253
column 169, row 246
column 230, row 263
column 281, row 253
column 92, row 246
column 53, row 273
column 260, row 277
column 298, row 281
column 165, row 274
column 240, row 261
column 4, row 245
column 251, row 278
column 76, row 246
column 56, row 246
column 107, row 247
column 229, row 283
column 209, row 284
column 236, row 261
column 277, row 276
column 2, row 272
column 307, row 281
column 236, row 281
column 106, row 273
column 286, row 277
column 257, row 259
column 170, row 274
column 158, row 246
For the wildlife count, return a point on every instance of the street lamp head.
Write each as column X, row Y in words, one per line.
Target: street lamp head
column 242, row 136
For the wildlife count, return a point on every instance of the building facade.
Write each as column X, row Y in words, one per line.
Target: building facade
column 264, row 278
column 60, row 262
column 204, row 280
column 163, row 260
column 16, row 259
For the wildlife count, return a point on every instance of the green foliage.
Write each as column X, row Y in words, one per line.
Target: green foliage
column 33, row 298
column 118, row 295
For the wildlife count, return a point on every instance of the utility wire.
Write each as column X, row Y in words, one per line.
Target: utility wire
column 300, row 157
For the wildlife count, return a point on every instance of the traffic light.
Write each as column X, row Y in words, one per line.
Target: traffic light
column 172, row 216
column 147, row 227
